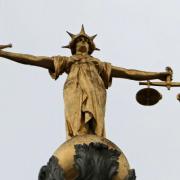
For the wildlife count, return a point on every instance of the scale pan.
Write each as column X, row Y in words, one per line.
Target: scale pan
column 148, row 96
column 178, row 97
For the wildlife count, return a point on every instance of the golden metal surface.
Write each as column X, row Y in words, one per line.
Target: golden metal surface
column 65, row 153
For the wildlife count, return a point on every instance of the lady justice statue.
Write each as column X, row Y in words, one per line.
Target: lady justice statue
column 86, row 84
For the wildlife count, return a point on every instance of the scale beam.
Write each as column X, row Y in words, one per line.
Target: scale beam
column 163, row 84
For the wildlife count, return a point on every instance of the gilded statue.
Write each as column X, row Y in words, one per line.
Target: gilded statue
column 87, row 80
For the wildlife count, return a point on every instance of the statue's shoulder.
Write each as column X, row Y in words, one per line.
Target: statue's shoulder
column 95, row 59
column 59, row 57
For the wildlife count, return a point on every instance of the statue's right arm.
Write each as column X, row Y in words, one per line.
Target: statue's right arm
column 41, row 61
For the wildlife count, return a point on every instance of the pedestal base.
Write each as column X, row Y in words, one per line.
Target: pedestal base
column 89, row 157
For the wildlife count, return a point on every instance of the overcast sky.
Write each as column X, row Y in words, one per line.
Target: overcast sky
column 141, row 34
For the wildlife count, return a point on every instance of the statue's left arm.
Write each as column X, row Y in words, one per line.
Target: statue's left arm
column 118, row 72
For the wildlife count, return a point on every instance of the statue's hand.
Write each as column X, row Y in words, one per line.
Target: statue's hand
column 5, row 46
column 163, row 76
column 166, row 76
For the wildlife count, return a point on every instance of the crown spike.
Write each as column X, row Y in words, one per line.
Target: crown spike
column 93, row 37
column 97, row 49
column 82, row 30
column 70, row 34
column 66, row 46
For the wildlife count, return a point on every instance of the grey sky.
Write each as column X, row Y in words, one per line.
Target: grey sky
column 132, row 34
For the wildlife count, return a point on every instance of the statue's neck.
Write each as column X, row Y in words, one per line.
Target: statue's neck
column 82, row 53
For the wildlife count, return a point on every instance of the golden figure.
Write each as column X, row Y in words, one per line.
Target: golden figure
column 86, row 84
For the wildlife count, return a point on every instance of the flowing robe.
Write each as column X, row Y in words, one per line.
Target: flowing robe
column 84, row 92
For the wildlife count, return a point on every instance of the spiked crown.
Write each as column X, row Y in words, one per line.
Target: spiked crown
column 75, row 39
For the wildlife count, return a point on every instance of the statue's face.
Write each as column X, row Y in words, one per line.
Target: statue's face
column 82, row 46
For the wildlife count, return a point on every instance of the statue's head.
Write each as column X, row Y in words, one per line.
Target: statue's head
column 81, row 43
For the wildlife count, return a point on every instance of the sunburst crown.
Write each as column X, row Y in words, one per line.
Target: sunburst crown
column 75, row 39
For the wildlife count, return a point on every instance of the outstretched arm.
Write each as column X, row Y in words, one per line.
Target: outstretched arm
column 132, row 74
column 41, row 61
